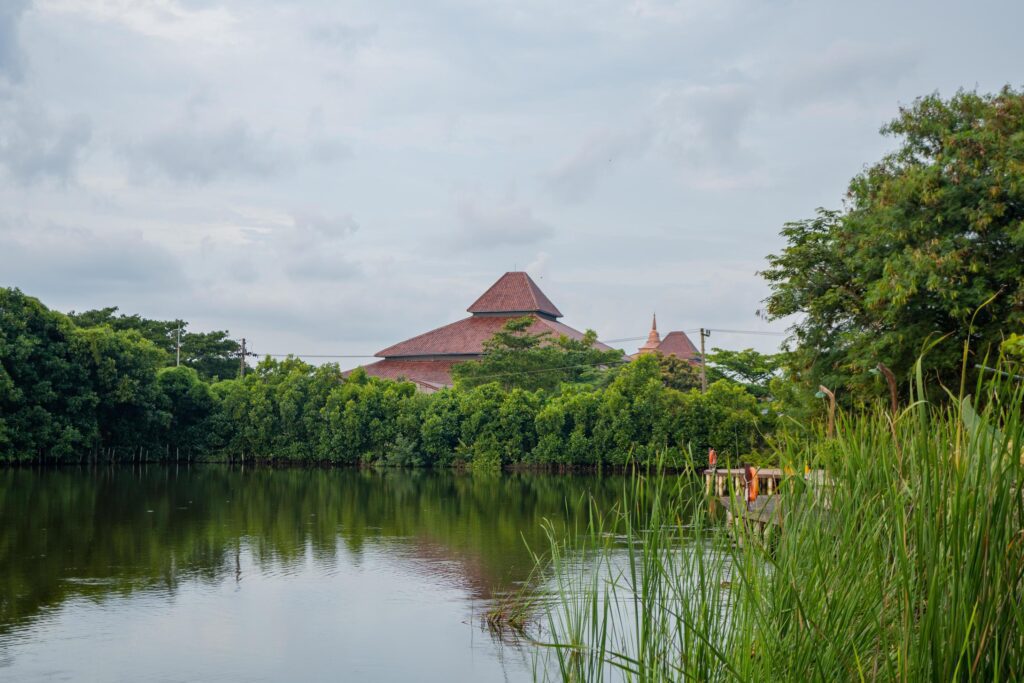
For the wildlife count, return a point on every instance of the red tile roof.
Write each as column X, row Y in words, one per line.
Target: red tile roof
column 429, row 374
column 514, row 292
column 467, row 337
column 679, row 345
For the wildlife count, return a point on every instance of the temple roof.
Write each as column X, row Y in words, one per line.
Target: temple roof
column 430, row 375
column 679, row 345
column 467, row 336
column 514, row 292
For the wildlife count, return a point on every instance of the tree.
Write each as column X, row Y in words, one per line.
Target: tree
column 752, row 369
column 677, row 373
column 190, row 405
column 930, row 245
column 213, row 354
column 131, row 411
column 47, row 403
column 515, row 357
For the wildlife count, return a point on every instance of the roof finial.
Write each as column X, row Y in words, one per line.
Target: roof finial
column 653, row 339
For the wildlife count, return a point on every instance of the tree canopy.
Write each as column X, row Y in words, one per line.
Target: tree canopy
column 515, row 358
column 211, row 354
column 71, row 394
column 750, row 368
column 929, row 245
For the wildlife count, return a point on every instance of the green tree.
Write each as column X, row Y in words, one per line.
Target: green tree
column 47, row 402
column 750, row 368
column 190, row 403
column 515, row 357
column 677, row 373
column 213, row 354
column 929, row 244
column 130, row 410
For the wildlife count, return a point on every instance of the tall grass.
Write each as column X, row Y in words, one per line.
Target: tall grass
column 904, row 564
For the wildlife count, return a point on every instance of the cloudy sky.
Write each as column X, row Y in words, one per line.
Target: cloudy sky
column 332, row 177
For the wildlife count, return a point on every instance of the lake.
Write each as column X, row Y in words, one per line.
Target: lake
column 164, row 573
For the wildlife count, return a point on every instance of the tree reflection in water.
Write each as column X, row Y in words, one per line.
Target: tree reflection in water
column 95, row 533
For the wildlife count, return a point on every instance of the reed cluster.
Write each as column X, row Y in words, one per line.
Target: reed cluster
column 904, row 562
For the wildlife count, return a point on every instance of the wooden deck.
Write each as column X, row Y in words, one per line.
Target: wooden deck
column 721, row 482
column 728, row 488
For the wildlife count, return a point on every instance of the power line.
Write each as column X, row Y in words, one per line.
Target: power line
column 319, row 355
column 604, row 341
column 767, row 333
column 697, row 329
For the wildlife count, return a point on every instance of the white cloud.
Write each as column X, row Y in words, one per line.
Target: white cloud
column 11, row 56
column 165, row 19
column 50, row 260
column 268, row 160
column 35, row 146
column 576, row 177
column 704, row 123
column 188, row 152
column 508, row 222
column 847, row 69
column 345, row 37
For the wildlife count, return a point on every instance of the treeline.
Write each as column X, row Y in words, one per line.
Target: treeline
column 70, row 394
column 293, row 411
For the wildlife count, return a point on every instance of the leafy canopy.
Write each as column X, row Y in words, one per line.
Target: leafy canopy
column 677, row 373
column 515, row 358
column 211, row 354
column 752, row 369
column 929, row 244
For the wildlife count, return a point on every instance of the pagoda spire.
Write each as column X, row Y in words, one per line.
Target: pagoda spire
column 653, row 338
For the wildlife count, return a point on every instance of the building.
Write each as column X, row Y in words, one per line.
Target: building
column 427, row 359
column 674, row 344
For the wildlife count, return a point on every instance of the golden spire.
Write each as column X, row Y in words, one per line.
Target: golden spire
column 653, row 338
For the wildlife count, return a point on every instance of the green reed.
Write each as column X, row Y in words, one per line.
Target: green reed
column 903, row 562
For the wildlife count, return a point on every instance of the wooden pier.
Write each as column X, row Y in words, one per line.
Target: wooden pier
column 758, row 515
column 758, row 518
column 719, row 482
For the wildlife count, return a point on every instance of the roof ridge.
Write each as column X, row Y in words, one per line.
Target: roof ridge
column 515, row 291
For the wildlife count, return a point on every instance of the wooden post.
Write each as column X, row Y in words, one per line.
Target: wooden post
column 893, row 395
column 703, row 362
column 241, row 368
column 831, row 410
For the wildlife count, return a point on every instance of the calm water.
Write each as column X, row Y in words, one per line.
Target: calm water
column 210, row 573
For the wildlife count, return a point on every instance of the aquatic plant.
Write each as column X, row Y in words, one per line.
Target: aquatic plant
column 904, row 562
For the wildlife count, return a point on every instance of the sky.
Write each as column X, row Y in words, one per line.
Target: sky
column 328, row 177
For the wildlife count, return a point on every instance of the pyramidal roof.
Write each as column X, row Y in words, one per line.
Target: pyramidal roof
column 514, row 292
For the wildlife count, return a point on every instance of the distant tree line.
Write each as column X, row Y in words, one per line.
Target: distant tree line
column 926, row 256
column 97, row 386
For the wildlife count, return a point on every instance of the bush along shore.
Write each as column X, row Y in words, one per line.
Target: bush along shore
column 905, row 563
column 71, row 394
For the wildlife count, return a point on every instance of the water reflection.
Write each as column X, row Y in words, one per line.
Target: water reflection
column 251, row 573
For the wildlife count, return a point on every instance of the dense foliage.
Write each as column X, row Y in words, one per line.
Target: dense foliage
column 212, row 354
column 70, row 393
column 515, row 357
column 929, row 245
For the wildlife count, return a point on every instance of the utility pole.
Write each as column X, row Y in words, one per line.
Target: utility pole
column 241, row 367
column 703, row 361
column 177, row 361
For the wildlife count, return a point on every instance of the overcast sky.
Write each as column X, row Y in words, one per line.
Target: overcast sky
column 332, row 177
